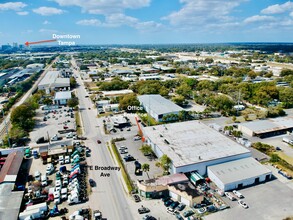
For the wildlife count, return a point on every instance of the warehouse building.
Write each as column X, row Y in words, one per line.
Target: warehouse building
column 192, row 146
column 61, row 98
column 53, row 82
column 238, row 174
column 158, row 107
column 267, row 128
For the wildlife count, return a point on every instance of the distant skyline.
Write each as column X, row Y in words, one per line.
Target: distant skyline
column 147, row 21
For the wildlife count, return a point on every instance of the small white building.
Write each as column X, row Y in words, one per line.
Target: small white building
column 238, row 174
column 61, row 98
column 158, row 107
column 53, row 82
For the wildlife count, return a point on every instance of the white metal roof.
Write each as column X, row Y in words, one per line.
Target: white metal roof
column 62, row 95
column 158, row 104
column 238, row 170
column 192, row 142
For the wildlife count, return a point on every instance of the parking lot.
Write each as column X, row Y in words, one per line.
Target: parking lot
column 54, row 120
column 269, row 201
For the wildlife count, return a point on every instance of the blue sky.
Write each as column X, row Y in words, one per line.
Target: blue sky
column 147, row 21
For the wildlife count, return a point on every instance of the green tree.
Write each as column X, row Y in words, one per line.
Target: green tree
column 146, row 168
column 48, row 101
column 146, row 149
column 179, row 100
column 128, row 101
column 73, row 82
column 73, row 102
column 164, row 163
column 22, row 116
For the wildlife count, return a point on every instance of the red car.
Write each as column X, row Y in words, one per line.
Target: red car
column 98, row 141
column 65, row 127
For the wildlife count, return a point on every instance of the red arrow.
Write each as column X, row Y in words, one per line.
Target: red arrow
column 38, row 42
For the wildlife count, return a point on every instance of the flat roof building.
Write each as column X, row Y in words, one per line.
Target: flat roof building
column 192, row 146
column 238, row 174
column 52, row 81
column 61, row 98
column 267, row 128
column 158, row 107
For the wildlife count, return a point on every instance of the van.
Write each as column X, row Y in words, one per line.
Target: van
column 69, row 135
column 61, row 160
column 50, row 169
column 37, row 175
column 44, row 180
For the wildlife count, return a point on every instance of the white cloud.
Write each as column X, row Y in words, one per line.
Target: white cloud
column 47, row 11
column 22, row 13
column 43, row 30
column 46, row 22
column 118, row 20
column 105, row 7
column 198, row 13
column 16, row 6
column 278, row 8
column 259, row 18
column 89, row 22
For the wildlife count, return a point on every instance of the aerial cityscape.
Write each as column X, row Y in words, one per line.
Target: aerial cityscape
column 146, row 109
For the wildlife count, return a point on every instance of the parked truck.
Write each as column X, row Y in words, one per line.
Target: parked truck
column 288, row 140
column 34, row 212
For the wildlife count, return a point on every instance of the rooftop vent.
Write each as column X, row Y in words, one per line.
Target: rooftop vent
column 199, row 157
column 161, row 135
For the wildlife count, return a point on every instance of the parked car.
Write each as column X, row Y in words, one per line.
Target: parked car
column 136, row 198
column 178, row 216
column 278, row 148
column 92, row 182
column 171, row 211
column 242, row 203
column 37, row 175
column 143, row 210
column 188, row 213
column 122, row 148
column 238, row 194
column 168, row 202
column 201, row 210
column 174, row 205
column 148, row 217
column 180, row 207
column 123, row 151
column 128, row 158
column 230, row 196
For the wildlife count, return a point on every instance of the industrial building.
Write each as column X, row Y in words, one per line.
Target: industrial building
column 61, row 98
column 238, row 174
column 10, row 195
column 192, row 146
column 158, row 107
column 54, row 82
column 267, row 128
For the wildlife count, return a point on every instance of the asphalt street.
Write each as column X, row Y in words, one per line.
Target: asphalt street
column 109, row 195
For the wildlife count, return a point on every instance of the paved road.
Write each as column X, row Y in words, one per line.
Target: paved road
column 109, row 195
column 22, row 100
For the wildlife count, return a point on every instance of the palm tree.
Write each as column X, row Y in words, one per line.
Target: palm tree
column 146, row 149
column 164, row 163
column 146, row 168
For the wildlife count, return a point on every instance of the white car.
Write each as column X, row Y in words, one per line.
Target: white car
column 61, row 160
column 230, row 196
column 171, row 211
column 242, row 203
column 238, row 194
column 137, row 138
column 122, row 148
column 67, row 160
column 44, row 180
column 57, row 197
column 58, row 185
column 64, row 193
column 50, row 169
column 37, row 175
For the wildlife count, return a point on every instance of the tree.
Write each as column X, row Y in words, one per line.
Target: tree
column 73, row 102
column 146, row 149
column 146, row 168
column 164, row 163
column 179, row 100
column 73, row 82
column 22, row 116
column 48, row 101
column 129, row 102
